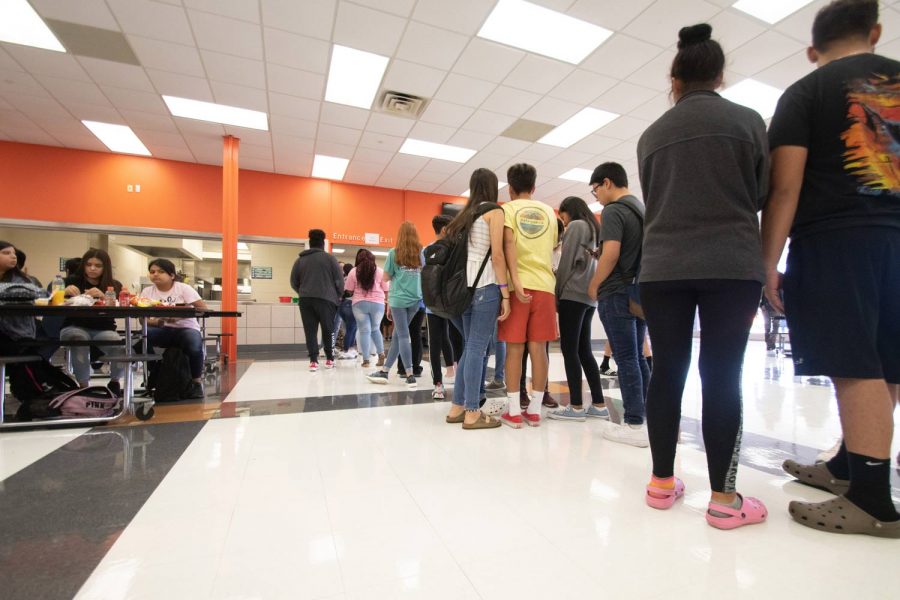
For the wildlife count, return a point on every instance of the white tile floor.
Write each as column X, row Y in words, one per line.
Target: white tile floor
column 391, row 502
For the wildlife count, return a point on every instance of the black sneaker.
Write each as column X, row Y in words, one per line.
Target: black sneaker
column 115, row 387
column 196, row 391
column 411, row 382
column 417, row 371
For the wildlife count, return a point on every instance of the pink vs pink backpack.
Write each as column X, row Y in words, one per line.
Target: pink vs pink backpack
column 93, row 401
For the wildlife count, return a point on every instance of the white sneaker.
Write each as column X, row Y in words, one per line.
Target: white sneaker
column 350, row 354
column 633, row 435
column 826, row 455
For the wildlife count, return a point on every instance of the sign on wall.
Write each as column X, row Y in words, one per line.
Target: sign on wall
column 62, row 264
column 372, row 239
column 260, row 272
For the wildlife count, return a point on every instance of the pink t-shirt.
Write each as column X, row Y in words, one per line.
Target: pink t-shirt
column 181, row 293
column 376, row 294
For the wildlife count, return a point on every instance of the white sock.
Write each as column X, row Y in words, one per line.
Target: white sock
column 534, row 407
column 513, row 400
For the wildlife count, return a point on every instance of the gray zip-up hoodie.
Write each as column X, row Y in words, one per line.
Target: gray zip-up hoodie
column 317, row 274
column 576, row 265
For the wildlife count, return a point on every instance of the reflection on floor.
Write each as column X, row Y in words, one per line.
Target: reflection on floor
column 322, row 485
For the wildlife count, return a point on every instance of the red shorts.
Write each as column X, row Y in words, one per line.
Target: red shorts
column 531, row 322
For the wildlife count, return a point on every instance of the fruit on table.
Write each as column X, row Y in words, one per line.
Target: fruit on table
column 144, row 302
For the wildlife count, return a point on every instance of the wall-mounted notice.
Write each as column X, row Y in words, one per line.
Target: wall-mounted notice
column 372, row 239
column 260, row 272
column 62, row 264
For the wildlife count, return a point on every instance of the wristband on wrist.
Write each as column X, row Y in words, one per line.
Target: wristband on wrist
column 502, row 285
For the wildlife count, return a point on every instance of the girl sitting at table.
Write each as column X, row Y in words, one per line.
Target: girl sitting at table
column 183, row 333
column 93, row 277
column 13, row 329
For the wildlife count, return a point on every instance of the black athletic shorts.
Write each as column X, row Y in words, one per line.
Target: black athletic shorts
column 842, row 299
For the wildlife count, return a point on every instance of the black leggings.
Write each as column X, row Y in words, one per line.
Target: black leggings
column 575, row 320
column 727, row 308
column 439, row 341
column 415, row 334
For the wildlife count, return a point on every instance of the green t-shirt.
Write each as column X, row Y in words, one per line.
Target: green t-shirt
column 406, row 283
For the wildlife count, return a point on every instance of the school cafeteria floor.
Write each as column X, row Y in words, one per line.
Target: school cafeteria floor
column 292, row 484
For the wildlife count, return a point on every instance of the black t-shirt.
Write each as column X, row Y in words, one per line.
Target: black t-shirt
column 620, row 224
column 96, row 324
column 847, row 115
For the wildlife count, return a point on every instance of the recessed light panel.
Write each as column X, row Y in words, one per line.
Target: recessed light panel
column 379, row 253
column 329, row 167
column 579, row 175
column 543, row 31
column 770, row 11
column 354, row 77
column 756, row 95
column 439, row 151
column 19, row 24
column 118, row 138
column 582, row 124
column 216, row 113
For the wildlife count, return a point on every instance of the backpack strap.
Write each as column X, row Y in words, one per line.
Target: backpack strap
column 640, row 218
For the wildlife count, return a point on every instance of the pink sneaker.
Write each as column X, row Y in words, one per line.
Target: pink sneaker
column 329, row 364
column 532, row 420
column 752, row 511
column 663, row 498
column 313, row 366
column 513, row 421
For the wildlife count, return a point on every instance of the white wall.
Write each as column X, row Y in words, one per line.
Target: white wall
column 281, row 258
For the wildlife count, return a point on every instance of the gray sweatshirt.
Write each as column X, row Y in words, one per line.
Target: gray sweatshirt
column 704, row 168
column 317, row 274
column 576, row 265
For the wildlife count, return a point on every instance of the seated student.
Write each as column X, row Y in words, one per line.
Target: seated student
column 94, row 277
column 183, row 333
column 13, row 329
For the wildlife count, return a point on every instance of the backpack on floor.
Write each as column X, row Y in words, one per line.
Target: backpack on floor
column 35, row 385
column 445, row 287
column 170, row 378
column 92, row 401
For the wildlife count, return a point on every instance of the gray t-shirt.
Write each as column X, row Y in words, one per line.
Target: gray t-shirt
column 620, row 224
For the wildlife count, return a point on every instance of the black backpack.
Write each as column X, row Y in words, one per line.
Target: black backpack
column 35, row 385
column 445, row 287
column 170, row 378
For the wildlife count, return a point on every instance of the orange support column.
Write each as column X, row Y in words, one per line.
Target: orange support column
column 229, row 242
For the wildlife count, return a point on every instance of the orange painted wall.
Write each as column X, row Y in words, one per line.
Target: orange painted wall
column 51, row 184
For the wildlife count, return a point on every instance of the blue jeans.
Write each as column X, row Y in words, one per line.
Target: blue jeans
column 368, row 318
column 401, row 343
column 478, row 326
column 188, row 340
column 626, row 335
column 345, row 313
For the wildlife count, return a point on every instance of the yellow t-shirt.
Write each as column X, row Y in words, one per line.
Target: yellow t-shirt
column 534, row 225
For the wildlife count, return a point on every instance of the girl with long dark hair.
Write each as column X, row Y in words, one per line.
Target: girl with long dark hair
column 13, row 329
column 369, row 291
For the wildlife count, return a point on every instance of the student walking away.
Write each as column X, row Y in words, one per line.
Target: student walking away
column 704, row 172
column 617, row 269
column 369, row 290
column 345, row 315
column 439, row 330
column 529, row 236
column 319, row 281
column 480, row 224
column 94, row 278
column 576, row 308
column 836, row 192
column 403, row 269
column 169, row 332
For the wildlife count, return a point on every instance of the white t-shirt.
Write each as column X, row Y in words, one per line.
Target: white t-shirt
column 181, row 293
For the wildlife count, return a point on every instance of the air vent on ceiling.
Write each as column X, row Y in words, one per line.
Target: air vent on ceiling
column 402, row 105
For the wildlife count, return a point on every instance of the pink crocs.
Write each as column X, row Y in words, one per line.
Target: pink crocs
column 752, row 511
column 663, row 498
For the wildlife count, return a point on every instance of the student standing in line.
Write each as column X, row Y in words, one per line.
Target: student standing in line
column 369, row 291
column 836, row 191
column 439, row 330
column 704, row 171
column 403, row 269
column 319, row 281
column 345, row 315
column 576, row 310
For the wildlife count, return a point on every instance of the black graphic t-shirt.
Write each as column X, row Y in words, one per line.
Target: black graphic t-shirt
column 847, row 114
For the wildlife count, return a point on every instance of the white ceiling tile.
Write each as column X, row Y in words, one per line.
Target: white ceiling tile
column 79, row 141
column 182, row 154
column 30, row 134
column 596, row 144
column 363, row 173
column 36, row 107
column 240, row 96
column 251, row 137
column 624, row 128
column 552, row 190
column 393, row 182
column 6, row 61
column 467, row 91
column 245, row 10
column 762, row 52
column 624, row 98
column 228, row 36
column 280, row 124
column 380, row 141
column 552, row 111
column 19, row 83
column 160, row 138
column 622, row 152
column 292, row 106
column 366, row 29
column 195, row 130
column 420, row 185
column 446, row 167
column 153, row 20
column 234, row 69
column 94, row 13
column 381, row 123
column 662, row 19
column 288, row 144
column 5, row 105
column 538, row 153
column 655, row 74
column 431, row 46
column 431, row 132
column 487, row 160
column 612, row 14
column 653, row 108
column 137, row 119
column 370, row 155
column 335, row 149
column 445, row 113
column 297, row 51
column 890, row 23
column 127, row 99
column 120, row 75
column 294, row 82
column 401, row 8
column 406, row 162
column 733, row 29
column 799, row 24
column 506, row 146
column 42, row 62
column 426, row 176
column 538, row 74
column 175, row 58
column 174, row 84
column 488, row 60
column 411, row 78
column 569, row 159
column 311, row 17
column 484, row 121
column 68, row 90
column 340, row 135
column 582, row 86
column 464, row 16
column 471, row 139
column 783, row 74
column 345, row 116
column 296, row 164
column 620, row 56
column 510, row 101
column 890, row 50
column 252, row 151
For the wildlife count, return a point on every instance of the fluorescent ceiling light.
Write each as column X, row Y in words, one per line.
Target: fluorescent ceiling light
column 595, row 207
column 543, row 31
column 379, row 253
column 354, row 77
column 756, row 95
column 439, row 151
column 579, row 126
column 500, row 186
column 329, row 167
column 19, row 24
column 338, row 250
column 579, row 175
column 118, row 138
column 217, row 113
column 770, row 11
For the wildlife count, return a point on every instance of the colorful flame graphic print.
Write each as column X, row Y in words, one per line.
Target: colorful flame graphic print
column 873, row 140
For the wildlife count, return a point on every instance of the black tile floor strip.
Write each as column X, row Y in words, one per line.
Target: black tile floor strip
column 61, row 514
